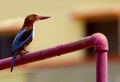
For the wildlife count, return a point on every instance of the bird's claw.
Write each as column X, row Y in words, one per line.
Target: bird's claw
column 24, row 52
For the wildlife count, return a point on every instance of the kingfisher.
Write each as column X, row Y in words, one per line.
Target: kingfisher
column 24, row 37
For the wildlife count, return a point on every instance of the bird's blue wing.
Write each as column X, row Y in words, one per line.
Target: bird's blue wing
column 21, row 38
column 18, row 42
column 18, row 36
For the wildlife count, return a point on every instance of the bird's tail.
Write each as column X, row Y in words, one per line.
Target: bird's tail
column 12, row 63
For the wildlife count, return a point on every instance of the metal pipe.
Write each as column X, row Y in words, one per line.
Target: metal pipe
column 101, row 49
column 97, row 40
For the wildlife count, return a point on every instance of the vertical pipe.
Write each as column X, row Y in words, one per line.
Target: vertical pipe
column 101, row 48
column 101, row 66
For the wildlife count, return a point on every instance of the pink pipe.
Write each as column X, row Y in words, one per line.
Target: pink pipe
column 97, row 40
column 101, row 48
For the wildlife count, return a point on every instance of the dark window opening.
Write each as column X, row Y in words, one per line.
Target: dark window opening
column 109, row 28
column 5, row 45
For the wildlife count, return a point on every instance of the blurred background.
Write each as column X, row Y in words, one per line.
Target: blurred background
column 70, row 20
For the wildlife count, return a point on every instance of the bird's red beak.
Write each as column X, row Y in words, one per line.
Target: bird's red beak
column 43, row 17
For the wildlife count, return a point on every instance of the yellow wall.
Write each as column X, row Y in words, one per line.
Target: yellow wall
column 59, row 28
column 7, row 76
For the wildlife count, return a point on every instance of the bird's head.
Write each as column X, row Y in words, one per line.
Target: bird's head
column 30, row 19
column 34, row 17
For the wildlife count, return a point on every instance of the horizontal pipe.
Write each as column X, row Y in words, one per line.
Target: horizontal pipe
column 47, row 53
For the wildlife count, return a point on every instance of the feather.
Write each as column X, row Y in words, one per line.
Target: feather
column 12, row 63
column 21, row 39
column 24, row 37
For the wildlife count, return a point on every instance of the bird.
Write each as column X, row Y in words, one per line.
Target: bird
column 24, row 37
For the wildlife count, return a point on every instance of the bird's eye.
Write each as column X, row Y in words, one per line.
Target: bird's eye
column 31, row 18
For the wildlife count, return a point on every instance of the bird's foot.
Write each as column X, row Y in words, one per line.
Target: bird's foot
column 24, row 52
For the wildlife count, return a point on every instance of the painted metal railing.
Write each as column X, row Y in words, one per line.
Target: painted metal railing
column 97, row 40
